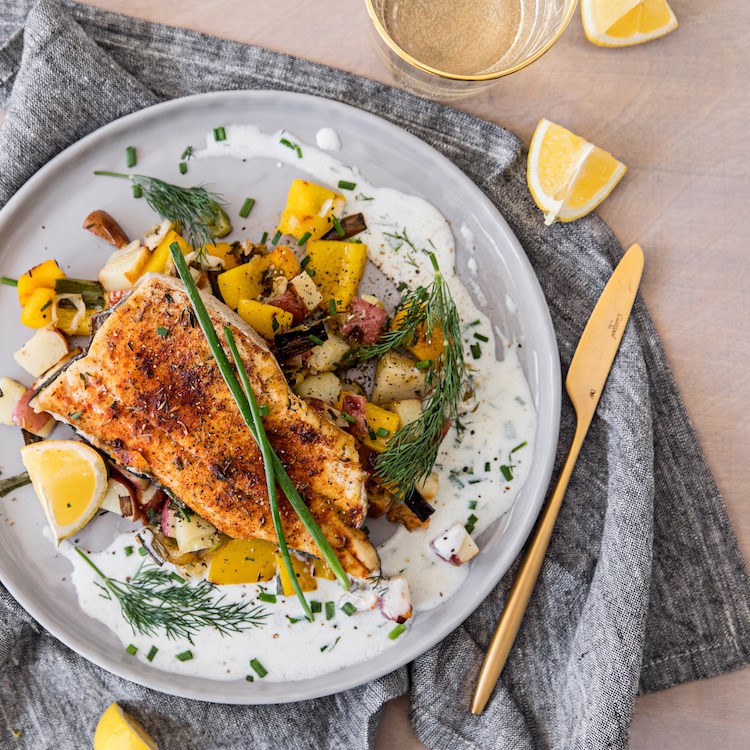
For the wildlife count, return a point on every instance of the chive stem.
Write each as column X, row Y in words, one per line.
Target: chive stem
column 130, row 157
column 8, row 281
column 247, row 207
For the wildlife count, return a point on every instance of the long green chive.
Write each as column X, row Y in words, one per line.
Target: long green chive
column 247, row 207
column 337, row 226
column 8, row 281
column 130, row 158
column 507, row 472
column 131, row 649
column 304, row 238
column 260, row 670
column 276, row 237
column 182, row 166
column 264, row 597
column 244, row 402
column 220, row 134
column 396, row 632
column 185, row 655
column 345, row 185
column 152, row 653
column 348, row 609
column 330, row 610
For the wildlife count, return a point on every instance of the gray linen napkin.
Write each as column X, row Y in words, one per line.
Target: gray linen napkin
column 643, row 587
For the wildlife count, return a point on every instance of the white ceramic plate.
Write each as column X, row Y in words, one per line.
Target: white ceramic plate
column 44, row 220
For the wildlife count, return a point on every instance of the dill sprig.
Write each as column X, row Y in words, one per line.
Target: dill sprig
column 151, row 601
column 199, row 212
column 411, row 452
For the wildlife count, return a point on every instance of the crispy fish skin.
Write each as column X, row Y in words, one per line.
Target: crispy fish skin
column 149, row 393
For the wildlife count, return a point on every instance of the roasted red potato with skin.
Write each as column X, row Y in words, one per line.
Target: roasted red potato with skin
column 26, row 418
column 103, row 225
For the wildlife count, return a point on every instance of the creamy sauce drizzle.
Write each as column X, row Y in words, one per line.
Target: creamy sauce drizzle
column 499, row 419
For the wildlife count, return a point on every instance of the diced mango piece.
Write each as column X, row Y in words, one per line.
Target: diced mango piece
column 321, row 569
column 309, row 208
column 337, row 268
column 227, row 251
column 65, row 317
column 283, row 258
column 243, row 561
column 39, row 307
column 425, row 347
column 382, row 424
column 41, row 276
column 262, row 316
column 242, row 282
column 302, row 569
column 157, row 263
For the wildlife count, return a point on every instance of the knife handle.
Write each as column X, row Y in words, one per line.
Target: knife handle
column 528, row 573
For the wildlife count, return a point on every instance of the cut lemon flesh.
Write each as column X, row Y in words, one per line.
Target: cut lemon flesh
column 117, row 730
column 70, row 480
column 621, row 23
column 568, row 176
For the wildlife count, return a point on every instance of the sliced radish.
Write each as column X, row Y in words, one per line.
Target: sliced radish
column 11, row 392
column 395, row 599
column 455, row 545
column 26, row 418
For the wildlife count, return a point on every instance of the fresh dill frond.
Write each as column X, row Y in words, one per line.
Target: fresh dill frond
column 198, row 211
column 151, row 601
column 411, row 452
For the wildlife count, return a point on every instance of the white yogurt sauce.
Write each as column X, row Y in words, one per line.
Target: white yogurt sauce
column 497, row 431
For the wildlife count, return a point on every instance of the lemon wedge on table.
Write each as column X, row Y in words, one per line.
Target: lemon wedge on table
column 568, row 176
column 69, row 479
column 622, row 23
column 118, row 730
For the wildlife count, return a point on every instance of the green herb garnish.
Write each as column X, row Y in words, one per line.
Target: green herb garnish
column 330, row 610
column 220, row 134
column 137, row 191
column 182, row 166
column 337, row 226
column 8, row 281
column 315, row 607
column 163, row 332
column 152, row 652
column 131, row 649
column 276, row 237
column 520, row 445
column 348, row 609
column 128, row 551
column 507, row 472
column 260, row 670
column 130, row 158
column 304, row 238
column 286, row 142
column 247, row 207
column 185, row 656
column 345, row 185
column 396, row 632
column 269, row 598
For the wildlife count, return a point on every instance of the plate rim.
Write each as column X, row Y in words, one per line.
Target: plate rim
column 535, row 487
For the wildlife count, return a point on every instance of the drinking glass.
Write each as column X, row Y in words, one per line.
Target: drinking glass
column 445, row 49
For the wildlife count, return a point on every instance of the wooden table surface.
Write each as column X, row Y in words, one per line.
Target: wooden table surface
column 675, row 111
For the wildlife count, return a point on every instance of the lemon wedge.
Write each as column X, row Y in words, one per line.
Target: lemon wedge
column 117, row 730
column 70, row 480
column 622, row 23
column 568, row 176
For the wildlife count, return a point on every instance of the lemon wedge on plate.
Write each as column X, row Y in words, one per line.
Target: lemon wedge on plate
column 117, row 730
column 622, row 23
column 69, row 479
column 568, row 176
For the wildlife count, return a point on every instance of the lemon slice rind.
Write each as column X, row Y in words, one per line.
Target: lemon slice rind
column 618, row 23
column 117, row 730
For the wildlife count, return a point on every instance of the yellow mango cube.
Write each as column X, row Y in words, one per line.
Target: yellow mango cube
column 381, row 423
column 302, row 569
column 225, row 251
column 337, row 268
column 157, row 263
column 44, row 275
column 39, row 308
column 267, row 320
column 242, row 282
column 284, row 259
column 425, row 347
column 243, row 561
column 65, row 317
column 321, row 569
column 309, row 208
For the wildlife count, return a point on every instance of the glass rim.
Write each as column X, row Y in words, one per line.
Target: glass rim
column 406, row 57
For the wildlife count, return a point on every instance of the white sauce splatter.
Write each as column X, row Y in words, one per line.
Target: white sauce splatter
column 328, row 139
column 473, row 488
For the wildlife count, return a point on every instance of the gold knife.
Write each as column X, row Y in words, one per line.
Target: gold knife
column 587, row 375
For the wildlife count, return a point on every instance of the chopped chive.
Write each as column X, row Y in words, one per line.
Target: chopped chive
column 474, row 323
column 332, row 306
column 247, row 207
column 472, row 504
column 507, row 472
column 142, row 551
column 152, row 653
column 264, row 410
column 131, row 649
column 304, row 238
column 274, row 323
column 220, row 134
column 130, row 158
column 396, row 632
column 337, row 226
column 472, row 519
column 260, row 670
column 481, row 337
column 176, row 577
column 311, row 273
column 520, row 445
column 8, row 281
column 264, row 238
column 185, row 656
column 315, row 606
column 128, row 551
column 182, row 166
column 250, row 678
column 330, row 610
column 345, row 185
column 469, row 528
column 401, row 286
column 187, row 153
column 476, row 351
column 487, row 466
column 304, row 262
column 163, row 332
column 371, row 434
column 276, row 237
column 423, row 364
column 264, row 597
column 286, row 142
column 348, row 417
column 315, row 340
column 45, row 305
column 348, row 609
column 474, row 481
column 137, row 191
column 382, row 432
